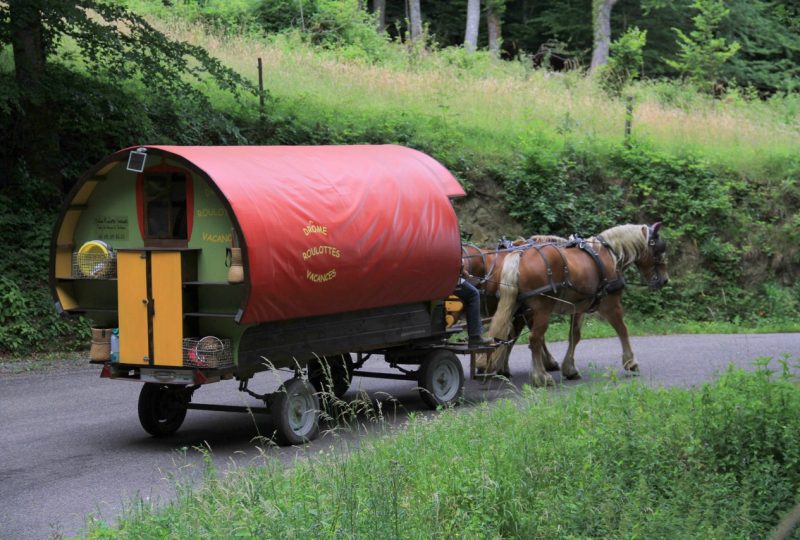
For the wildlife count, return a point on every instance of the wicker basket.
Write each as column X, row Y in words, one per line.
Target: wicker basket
column 100, row 350
column 207, row 352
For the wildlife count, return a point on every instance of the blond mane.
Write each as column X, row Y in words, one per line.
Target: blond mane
column 628, row 243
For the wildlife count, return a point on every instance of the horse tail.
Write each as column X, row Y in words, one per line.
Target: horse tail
column 502, row 321
column 502, row 326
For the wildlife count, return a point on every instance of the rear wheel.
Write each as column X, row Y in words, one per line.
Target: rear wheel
column 295, row 412
column 162, row 408
column 441, row 379
column 330, row 375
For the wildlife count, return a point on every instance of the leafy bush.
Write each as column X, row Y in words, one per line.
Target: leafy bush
column 344, row 26
column 27, row 318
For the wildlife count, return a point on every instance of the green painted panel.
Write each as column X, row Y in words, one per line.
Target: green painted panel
column 110, row 214
column 211, row 233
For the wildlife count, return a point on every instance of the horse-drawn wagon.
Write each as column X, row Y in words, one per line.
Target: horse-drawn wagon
column 214, row 263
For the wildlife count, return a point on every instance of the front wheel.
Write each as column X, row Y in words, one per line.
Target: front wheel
column 162, row 408
column 295, row 412
column 441, row 379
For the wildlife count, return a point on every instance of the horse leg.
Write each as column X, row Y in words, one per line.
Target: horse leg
column 611, row 310
column 550, row 362
column 538, row 328
column 504, row 351
column 568, row 368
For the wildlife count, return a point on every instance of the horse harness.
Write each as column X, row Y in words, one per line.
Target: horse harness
column 606, row 286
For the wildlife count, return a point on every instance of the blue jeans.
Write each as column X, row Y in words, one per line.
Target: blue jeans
column 468, row 294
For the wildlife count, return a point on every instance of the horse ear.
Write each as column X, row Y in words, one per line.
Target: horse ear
column 656, row 227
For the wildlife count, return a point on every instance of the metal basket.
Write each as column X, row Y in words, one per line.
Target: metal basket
column 207, row 352
column 94, row 265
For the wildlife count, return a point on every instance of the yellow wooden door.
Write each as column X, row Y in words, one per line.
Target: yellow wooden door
column 166, row 286
column 134, row 342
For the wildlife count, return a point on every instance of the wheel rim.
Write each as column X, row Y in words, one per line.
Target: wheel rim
column 300, row 412
column 445, row 382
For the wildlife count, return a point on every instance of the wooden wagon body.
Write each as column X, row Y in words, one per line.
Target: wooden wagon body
column 335, row 250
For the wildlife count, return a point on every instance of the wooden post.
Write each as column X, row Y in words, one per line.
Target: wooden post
column 260, row 89
column 628, row 119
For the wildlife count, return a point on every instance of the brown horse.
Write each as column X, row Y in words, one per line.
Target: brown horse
column 487, row 264
column 580, row 277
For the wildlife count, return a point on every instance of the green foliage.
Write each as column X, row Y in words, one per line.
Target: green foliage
column 345, row 26
column 139, row 52
column 769, row 58
column 279, row 15
column 703, row 52
column 746, row 429
column 28, row 320
column 705, row 208
column 600, row 461
column 560, row 190
column 625, row 61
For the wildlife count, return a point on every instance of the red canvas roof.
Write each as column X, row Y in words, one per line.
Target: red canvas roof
column 331, row 229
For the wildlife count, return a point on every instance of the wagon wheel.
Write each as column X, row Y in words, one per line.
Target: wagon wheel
column 162, row 408
column 295, row 412
column 330, row 375
column 441, row 379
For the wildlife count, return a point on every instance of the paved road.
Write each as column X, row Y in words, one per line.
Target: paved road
column 71, row 444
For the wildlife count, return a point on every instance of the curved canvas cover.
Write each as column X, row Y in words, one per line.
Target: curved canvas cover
column 332, row 229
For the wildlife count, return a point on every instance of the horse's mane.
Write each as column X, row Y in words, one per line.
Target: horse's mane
column 547, row 239
column 627, row 242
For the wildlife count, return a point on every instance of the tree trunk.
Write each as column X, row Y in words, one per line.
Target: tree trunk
column 473, row 21
column 379, row 7
column 493, row 24
column 415, row 19
column 36, row 140
column 601, row 15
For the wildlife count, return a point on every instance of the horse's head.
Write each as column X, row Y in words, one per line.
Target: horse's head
column 652, row 264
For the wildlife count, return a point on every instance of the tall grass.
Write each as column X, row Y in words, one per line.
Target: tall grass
column 617, row 461
column 488, row 107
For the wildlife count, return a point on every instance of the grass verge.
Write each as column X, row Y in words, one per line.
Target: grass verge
column 607, row 460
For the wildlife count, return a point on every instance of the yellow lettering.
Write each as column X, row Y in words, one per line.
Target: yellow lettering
column 320, row 278
column 321, row 250
column 313, row 228
column 210, row 212
column 216, row 238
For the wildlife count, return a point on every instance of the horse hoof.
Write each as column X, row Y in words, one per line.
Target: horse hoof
column 543, row 381
column 633, row 366
column 574, row 376
column 506, row 374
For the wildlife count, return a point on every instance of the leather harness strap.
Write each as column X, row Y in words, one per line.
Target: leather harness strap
column 605, row 287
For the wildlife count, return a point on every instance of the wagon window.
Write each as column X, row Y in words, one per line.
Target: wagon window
column 165, row 206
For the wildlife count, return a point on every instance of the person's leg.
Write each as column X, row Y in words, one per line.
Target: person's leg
column 468, row 294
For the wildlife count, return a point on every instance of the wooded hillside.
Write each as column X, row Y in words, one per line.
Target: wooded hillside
column 533, row 122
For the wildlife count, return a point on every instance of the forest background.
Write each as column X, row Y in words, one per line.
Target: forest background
column 527, row 102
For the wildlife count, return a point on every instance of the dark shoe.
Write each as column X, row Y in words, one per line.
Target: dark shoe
column 480, row 341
